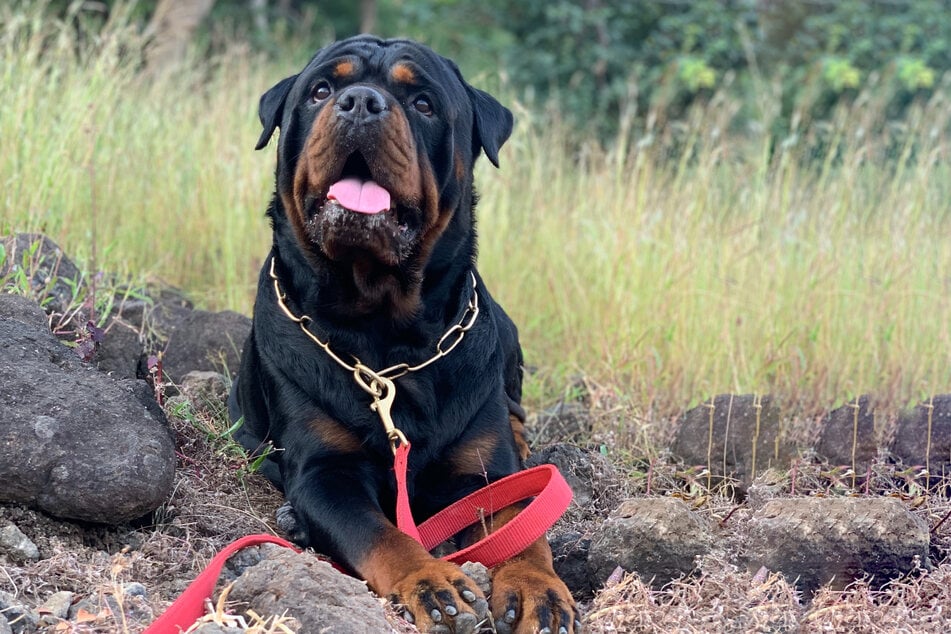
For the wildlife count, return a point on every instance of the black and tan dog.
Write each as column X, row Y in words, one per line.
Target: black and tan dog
column 373, row 267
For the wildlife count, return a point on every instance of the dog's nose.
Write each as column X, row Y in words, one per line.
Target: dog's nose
column 360, row 104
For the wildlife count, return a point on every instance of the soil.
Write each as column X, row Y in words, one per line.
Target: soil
column 217, row 499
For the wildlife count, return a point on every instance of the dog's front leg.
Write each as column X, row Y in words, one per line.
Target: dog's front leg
column 338, row 512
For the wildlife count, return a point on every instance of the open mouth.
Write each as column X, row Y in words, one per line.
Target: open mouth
column 357, row 191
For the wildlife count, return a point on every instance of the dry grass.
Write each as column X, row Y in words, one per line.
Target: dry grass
column 724, row 599
column 696, row 257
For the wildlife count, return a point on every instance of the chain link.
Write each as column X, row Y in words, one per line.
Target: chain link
column 379, row 385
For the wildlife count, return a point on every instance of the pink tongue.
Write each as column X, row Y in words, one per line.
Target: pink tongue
column 365, row 197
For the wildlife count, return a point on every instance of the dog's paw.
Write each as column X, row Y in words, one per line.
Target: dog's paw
column 529, row 600
column 288, row 523
column 440, row 599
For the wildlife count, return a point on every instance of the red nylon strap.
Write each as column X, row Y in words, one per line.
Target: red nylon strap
column 404, row 514
column 190, row 606
column 552, row 496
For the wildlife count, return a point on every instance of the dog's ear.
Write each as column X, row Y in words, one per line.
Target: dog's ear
column 271, row 109
column 493, row 122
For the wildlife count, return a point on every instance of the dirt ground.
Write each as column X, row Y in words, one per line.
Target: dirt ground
column 216, row 500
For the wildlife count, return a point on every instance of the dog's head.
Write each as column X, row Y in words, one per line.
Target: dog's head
column 378, row 139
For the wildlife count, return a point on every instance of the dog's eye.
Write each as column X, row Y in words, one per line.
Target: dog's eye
column 423, row 106
column 322, row 91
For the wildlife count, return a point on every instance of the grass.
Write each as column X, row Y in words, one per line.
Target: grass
column 697, row 257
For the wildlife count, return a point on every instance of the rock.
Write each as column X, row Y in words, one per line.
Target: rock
column 658, row 538
column 214, row 628
column 595, row 484
column 47, row 267
column 134, row 589
column 17, row 546
column 206, row 390
column 923, row 435
column 55, row 608
column 851, row 424
column 20, row 618
column 134, row 606
column 74, row 442
column 121, row 351
column 570, row 552
column 745, row 440
column 5, row 625
column 206, row 341
column 23, row 310
column 480, row 574
column 818, row 540
column 311, row 591
column 566, row 421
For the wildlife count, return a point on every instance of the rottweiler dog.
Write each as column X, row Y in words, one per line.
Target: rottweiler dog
column 372, row 276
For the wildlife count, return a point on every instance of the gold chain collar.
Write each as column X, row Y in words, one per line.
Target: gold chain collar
column 380, row 385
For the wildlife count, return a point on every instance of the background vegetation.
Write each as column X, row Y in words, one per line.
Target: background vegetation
column 700, row 196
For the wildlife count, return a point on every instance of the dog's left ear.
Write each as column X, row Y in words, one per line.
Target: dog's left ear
column 271, row 109
column 493, row 122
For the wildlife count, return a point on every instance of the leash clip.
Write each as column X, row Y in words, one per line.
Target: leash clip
column 383, row 391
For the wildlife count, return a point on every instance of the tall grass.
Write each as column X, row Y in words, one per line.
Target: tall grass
column 693, row 259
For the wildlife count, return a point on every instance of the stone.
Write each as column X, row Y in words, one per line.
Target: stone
column 208, row 391
column 214, row 628
column 55, row 608
column 311, row 591
column 5, row 625
column 121, row 351
column 479, row 574
column 658, row 538
column 923, row 436
column 23, row 310
column 134, row 589
column 17, row 546
column 19, row 617
column 570, row 552
column 746, row 437
column 849, row 428
column 814, row 541
column 565, row 421
column 74, row 442
column 592, row 478
column 46, row 266
column 205, row 341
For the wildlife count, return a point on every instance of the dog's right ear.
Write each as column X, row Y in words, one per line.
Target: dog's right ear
column 271, row 109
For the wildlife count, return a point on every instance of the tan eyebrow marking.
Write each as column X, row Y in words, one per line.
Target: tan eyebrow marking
column 343, row 69
column 403, row 74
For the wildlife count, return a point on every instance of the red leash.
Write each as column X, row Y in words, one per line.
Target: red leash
column 552, row 497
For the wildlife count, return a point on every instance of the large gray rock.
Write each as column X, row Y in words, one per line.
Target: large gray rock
column 74, row 442
column 847, row 434
column 311, row 591
column 737, row 436
column 813, row 541
column 205, row 341
column 658, row 538
column 923, row 436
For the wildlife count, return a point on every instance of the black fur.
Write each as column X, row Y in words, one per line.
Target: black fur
column 286, row 382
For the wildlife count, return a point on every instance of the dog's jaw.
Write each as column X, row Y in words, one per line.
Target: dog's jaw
column 385, row 253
